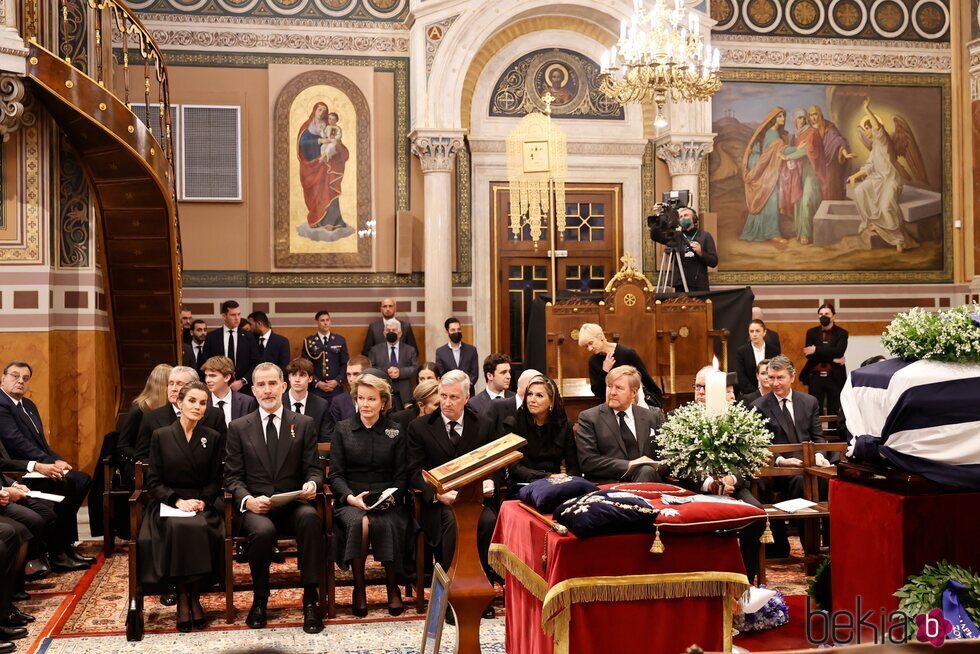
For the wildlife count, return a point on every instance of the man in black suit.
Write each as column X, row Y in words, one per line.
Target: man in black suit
column 13, row 550
column 824, row 373
column 232, row 341
column 400, row 362
column 445, row 434
column 193, row 350
column 273, row 348
column 301, row 401
column 616, row 440
column 218, row 373
column 376, row 330
column 165, row 416
column 48, row 544
column 268, row 452
column 343, row 406
column 22, row 436
column 772, row 336
column 496, row 374
column 457, row 355
column 748, row 355
column 328, row 354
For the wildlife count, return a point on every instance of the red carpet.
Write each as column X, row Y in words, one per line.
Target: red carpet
column 790, row 636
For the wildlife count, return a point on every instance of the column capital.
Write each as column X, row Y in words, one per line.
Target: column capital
column 436, row 148
column 684, row 152
column 16, row 106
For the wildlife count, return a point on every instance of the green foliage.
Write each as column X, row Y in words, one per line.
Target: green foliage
column 950, row 335
column 924, row 592
column 818, row 588
column 695, row 444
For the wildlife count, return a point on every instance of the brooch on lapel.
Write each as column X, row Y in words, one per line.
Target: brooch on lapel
column 391, row 433
column 292, row 431
column 204, row 442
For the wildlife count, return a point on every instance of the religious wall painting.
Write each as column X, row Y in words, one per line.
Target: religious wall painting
column 322, row 173
column 569, row 77
column 831, row 178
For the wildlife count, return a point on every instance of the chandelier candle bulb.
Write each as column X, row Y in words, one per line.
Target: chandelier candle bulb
column 715, row 401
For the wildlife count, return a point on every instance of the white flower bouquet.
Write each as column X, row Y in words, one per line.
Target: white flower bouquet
column 952, row 335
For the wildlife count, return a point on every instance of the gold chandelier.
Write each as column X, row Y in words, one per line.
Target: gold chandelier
column 660, row 56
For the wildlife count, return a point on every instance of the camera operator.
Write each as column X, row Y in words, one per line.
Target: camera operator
column 678, row 228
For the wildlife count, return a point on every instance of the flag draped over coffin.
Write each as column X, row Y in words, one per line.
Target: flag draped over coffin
column 920, row 416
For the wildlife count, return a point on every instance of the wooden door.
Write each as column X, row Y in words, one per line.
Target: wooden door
column 588, row 251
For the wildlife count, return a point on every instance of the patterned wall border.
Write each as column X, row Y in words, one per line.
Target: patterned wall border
column 27, row 247
column 874, row 20
column 228, row 38
column 855, row 276
column 73, row 216
column 434, row 35
column 322, row 10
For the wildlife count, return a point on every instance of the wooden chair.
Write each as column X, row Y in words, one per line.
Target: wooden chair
column 110, row 493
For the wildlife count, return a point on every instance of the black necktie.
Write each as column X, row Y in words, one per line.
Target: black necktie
column 221, row 405
column 261, row 344
column 392, row 358
column 299, row 408
column 632, row 451
column 453, row 435
column 29, row 418
column 197, row 355
column 791, row 434
column 231, row 345
column 272, row 438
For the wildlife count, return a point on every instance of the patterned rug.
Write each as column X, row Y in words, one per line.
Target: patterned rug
column 85, row 612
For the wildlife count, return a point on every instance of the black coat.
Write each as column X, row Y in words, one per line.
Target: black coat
column 23, row 436
column 548, row 447
column 246, row 351
column 625, row 356
column 248, row 470
column 164, row 417
column 601, row 452
column 376, row 334
column 499, row 410
column 405, row 416
column 469, row 361
column 429, row 445
column 276, row 351
column 367, row 459
column 746, row 368
column 834, row 348
column 317, row 408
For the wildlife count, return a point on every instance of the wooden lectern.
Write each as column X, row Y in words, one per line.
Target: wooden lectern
column 469, row 589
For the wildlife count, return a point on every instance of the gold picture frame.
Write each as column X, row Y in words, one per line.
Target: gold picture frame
column 537, row 157
column 435, row 616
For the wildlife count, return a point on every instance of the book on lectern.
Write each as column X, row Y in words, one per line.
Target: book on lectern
column 476, row 459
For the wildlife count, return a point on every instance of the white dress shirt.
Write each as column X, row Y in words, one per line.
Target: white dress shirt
column 455, row 349
column 224, row 339
column 302, row 403
column 759, row 352
column 227, row 406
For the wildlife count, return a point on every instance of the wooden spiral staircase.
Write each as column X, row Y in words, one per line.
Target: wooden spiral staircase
column 129, row 165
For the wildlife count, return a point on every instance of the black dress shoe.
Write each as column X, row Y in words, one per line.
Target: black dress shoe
column 489, row 613
column 20, row 596
column 38, row 568
column 64, row 563
column 256, row 615
column 12, row 633
column 312, row 618
column 16, row 619
column 450, row 617
column 168, row 599
column 7, row 647
column 73, row 553
column 25, row 616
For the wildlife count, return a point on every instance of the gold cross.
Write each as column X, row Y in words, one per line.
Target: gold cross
column 629, row 261
column 547, row 99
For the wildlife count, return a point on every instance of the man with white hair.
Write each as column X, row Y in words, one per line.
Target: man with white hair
column 375, row 332
column 400, row 361
column 449, row 432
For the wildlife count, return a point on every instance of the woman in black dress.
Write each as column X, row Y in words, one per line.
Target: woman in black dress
column 606, row 356
column 367, row 456
column 184, row 473
column 541, row 420
column 154, row 396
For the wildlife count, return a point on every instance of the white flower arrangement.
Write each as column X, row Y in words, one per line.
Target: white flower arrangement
column 695, row 444
column 952, row 335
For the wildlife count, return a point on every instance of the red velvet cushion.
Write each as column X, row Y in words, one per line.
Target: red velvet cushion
column 705, row 516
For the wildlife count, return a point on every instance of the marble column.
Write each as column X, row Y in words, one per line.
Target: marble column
column 436, row 150
column 683, row 154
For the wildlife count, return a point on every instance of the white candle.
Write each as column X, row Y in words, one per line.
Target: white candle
column 715, row 400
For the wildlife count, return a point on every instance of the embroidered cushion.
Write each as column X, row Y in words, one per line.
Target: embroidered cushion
column 701, row 513
column 605, row 512
column 545, row 494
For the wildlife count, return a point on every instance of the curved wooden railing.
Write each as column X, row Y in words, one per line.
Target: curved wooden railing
column 91, row 61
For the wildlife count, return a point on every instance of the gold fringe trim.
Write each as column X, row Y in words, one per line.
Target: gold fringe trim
column 560, row 644
column 502, row 560
column 766, row 538
column 633, row 588
column 726, row 626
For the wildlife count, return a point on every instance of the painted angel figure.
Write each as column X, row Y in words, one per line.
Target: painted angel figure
column 879, row 182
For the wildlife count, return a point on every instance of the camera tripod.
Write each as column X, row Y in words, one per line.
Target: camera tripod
column 665, row 275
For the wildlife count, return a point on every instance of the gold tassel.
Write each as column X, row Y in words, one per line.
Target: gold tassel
column 766, row 538
column 658, row 545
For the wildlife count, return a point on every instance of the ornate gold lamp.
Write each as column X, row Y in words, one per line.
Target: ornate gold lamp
column 660, row 56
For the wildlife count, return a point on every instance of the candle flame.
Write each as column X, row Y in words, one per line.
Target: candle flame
column 714, row 362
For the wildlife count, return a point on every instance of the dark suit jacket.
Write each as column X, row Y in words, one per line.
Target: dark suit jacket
column 772, row 338
column 405, row 416
column 182, row 470
column 316, row 408
column 276, row 351
column 481, row 401
column 429, row 445
column 241, row 404
column 376, row 334
column 246, row 351
column 18, row 435
column 248, row 470
column 498, row 411
column 469, row 361
column 408, row 365
column 625, row 356
column 806, row 417
column 601, row 453
column 164, row 417
column 187, row 357
column 341, row 408
column 745, row 366
column 834, row 348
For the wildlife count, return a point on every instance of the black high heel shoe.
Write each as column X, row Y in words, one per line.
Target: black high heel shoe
column 197, row 609
column 393, row 593
column 359, row 612
column 184, row 610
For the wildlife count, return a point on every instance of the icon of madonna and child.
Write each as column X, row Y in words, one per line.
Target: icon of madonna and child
column 322, row 159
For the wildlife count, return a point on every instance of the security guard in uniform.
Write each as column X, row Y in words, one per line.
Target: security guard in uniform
column 328, row 354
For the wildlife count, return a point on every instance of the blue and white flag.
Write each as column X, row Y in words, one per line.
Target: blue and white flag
column 921, row 416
